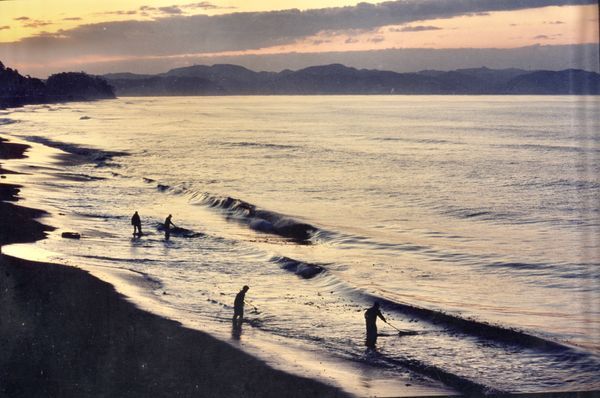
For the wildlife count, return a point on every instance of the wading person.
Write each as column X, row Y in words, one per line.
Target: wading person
column 137, row 224
column 168, row 225
column 371, row 320
column 238, row 306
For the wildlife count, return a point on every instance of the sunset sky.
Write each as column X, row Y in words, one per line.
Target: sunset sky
column 148, row 36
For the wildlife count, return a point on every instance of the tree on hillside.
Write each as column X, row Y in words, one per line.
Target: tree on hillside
column 13, row 85
column 78, row 85
column 16, row 90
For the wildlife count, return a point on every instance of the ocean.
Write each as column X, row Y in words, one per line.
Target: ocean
column 473, row 220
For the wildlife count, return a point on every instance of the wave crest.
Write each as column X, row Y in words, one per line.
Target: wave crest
column 300, row 268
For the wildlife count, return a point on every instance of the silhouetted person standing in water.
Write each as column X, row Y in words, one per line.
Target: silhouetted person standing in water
column 137, row 224
column 371, row 319
column 238, row 306
column 167, row 226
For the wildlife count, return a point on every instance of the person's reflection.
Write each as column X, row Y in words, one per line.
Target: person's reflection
column 236, row 330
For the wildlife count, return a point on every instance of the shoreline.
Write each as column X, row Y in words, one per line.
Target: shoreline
column 37, row 174
column 66, row 333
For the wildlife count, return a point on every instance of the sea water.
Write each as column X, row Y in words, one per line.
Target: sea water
column 473, row 220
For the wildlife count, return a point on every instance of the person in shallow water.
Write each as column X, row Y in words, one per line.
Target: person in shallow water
column 238, row 306
column 168, row 224
column 137, row 224
column 371, row 320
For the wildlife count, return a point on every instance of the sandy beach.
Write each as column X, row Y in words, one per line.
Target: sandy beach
column 65, row 333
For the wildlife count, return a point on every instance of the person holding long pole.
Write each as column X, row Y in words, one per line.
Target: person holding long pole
column 371, row 322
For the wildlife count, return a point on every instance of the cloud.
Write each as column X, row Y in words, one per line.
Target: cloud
column 478, row 14
column 547, row 57
column 5, row 27
column 72, row 19
column 417, row 28
column 376, row 39
column 176, row 34
column 178, row 9
column 170, row 10
column 205, row 5
column 548, row 37
column 550, row 57
column 32, row 23
column 37, row 24
column 120, row 12
column 349, row 32
column 351, row 40
column 554, row 22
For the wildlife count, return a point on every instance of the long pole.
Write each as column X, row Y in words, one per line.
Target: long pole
column 394, row 327
column 255, row 309
column 403, row 332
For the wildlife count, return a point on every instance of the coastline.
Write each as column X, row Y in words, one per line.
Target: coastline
column 45, row 163
column 66, row 333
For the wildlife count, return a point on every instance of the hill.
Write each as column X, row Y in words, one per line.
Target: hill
column 224, row 79
column 17, row 90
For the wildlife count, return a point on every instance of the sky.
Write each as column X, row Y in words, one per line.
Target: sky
column 39, row 37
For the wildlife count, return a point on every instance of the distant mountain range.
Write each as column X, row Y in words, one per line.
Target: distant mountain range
column 339, row 79
column 16, row 90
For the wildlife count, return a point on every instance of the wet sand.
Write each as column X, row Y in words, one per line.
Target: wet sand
column 65, row 333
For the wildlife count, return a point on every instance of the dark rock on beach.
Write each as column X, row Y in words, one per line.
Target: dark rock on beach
column 71, row 235
column 12, row 150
